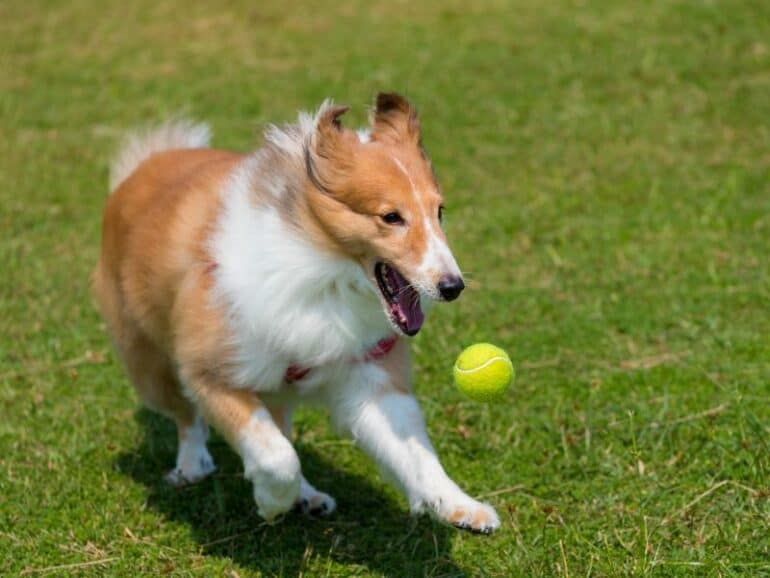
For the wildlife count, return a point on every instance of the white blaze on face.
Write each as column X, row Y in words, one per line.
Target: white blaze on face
column 437, row 256
column 437, row 261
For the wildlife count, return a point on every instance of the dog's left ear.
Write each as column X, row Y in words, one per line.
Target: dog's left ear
column 330, row 150
column 395, row 120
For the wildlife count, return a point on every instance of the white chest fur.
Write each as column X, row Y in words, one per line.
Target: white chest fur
column 288, row 302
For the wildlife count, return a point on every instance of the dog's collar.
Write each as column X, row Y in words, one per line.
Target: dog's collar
column 377, row 351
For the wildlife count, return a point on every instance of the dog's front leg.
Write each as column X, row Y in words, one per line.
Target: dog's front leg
column 269, row 459
column 387, row 423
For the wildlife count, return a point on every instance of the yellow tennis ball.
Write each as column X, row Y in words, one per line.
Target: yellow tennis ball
column 483, row 372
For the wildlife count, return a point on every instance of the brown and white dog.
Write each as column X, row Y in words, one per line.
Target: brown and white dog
column 237, row 286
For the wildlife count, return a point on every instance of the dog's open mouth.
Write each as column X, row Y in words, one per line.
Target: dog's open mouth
column 403, row 301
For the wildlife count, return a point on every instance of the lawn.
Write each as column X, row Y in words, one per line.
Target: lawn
column 606, row 166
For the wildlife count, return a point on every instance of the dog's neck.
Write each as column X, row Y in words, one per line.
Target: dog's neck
column 288, row 299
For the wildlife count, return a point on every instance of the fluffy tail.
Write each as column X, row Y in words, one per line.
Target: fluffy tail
column 139, row 146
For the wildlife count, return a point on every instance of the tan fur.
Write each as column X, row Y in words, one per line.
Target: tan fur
column 395, row 120
column 480, row 519
column 151, row 281
column 457, row 516
column 351, row 197
column 229, row 410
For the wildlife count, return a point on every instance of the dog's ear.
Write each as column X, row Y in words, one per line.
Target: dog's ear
column 395, row 119
column 330, row 150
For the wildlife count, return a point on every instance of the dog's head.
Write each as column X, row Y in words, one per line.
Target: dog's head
column 376, row 196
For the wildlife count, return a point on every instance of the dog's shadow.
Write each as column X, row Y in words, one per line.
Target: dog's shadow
column 369, row 530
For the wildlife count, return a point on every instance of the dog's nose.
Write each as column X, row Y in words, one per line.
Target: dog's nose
column 450, row 287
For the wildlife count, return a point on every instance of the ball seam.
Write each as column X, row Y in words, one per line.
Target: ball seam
column 484, row 365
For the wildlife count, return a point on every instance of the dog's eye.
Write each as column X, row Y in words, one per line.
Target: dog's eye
column 393, row 218
column 441, row 213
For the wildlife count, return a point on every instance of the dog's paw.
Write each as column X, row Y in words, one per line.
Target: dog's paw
column 275, row 498
column 465, row 513
column 478, row 518
column 314, row 503
column 277, row 487
column 191, row 468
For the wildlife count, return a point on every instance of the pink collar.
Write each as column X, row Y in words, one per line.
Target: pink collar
column 377, row 351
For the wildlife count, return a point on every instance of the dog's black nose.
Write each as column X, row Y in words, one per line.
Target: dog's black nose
column 450, row 287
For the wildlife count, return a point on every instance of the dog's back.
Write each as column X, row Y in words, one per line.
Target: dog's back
column 155, row 220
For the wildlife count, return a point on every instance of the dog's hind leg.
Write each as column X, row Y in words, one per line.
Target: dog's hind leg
column 155, row 380
column 157, row 384
column 193, row 461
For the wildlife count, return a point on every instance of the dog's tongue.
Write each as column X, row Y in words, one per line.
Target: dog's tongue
column 408, row 304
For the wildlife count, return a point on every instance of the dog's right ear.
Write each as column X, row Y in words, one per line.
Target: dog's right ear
column 395, row 119
column 329, row 151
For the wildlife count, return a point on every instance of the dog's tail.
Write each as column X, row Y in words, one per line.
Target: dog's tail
column 139, row 146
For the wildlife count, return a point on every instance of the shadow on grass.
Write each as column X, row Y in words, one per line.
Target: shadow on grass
column 368, row 531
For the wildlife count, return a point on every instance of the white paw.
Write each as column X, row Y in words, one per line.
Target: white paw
column 276, row 488
column 270, row 464
column 192, row 465
column 314, row 503
column 275, row 498
column 464, row 512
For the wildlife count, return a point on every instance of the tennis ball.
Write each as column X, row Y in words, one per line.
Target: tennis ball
column 483, row 372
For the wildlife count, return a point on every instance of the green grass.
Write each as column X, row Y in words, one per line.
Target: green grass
column 607, row 170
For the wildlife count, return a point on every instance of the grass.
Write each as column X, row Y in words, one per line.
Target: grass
column 607, row 169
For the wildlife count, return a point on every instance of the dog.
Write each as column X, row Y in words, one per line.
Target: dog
column 236, row 286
